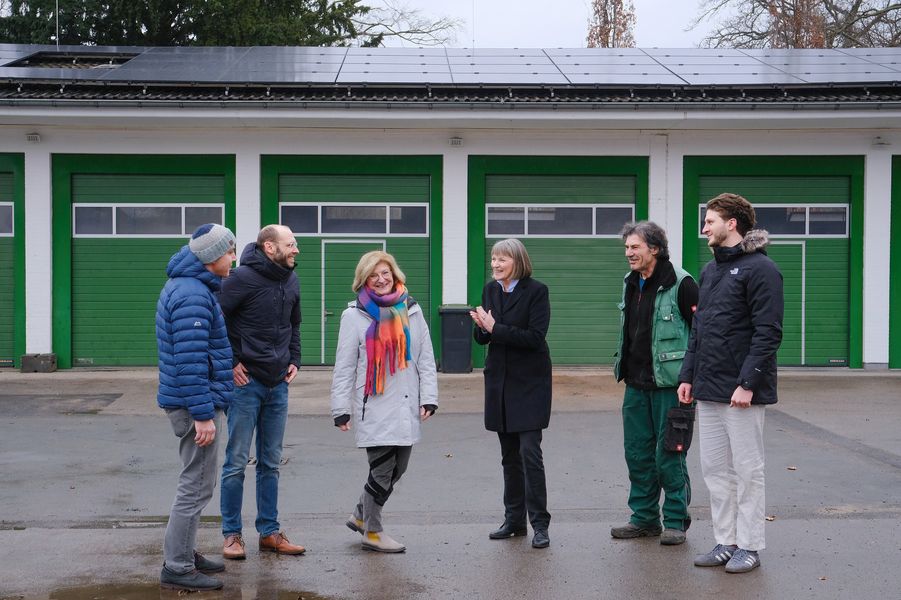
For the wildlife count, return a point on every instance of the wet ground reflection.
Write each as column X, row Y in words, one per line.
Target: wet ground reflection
column 152, row 591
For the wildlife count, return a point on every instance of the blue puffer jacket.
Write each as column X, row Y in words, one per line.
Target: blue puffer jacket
column 195, row 358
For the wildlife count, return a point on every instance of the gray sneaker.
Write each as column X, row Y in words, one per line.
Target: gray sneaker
column 672, row 537
column 192, row 581
column 717, row 557
column 630, row 531
column 743, row 561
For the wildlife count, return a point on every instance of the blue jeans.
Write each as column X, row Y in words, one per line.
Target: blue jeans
column 254, row 406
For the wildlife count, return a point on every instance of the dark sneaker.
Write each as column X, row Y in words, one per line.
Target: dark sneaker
column 743, row 561
column 672, row 537
column 192, row 581
column 630, row 530
column 207, row 565
column 717, row 557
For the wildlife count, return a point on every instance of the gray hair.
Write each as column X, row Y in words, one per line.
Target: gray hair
column 652, row 234
column 522, row 266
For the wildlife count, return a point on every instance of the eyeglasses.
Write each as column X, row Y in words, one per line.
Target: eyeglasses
column 386, row 274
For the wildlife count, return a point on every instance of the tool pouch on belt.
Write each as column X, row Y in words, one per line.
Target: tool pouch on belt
column 680, row 422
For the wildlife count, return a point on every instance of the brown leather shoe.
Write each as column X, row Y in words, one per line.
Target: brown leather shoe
column 233, row 547
column 277, row 542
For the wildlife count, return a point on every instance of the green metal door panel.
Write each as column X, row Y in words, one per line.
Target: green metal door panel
column 115, row 287
column 412, row 255
column 828, row 296
column 354, row 188
column 801, row 190
column 120, row 188
column 563, row 189
column 790, row 259
column 116, row 281
column 334, row 272
column 309, row 275
column 584, row 279
column 7, row 283
column 341, row 258
column 7, row 302
column 823, row 266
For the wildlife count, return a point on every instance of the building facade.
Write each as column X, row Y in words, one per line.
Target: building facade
column 433, row 155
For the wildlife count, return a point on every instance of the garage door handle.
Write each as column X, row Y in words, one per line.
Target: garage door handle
column 327, row 313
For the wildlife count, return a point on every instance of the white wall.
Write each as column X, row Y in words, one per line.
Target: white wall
column 665, row 150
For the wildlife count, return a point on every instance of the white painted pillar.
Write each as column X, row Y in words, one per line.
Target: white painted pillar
column 455, row 226
column 247, row 198
column 876, row 246
column 665, row 191
column 38, row 252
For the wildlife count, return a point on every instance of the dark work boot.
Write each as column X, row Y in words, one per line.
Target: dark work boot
column 192, row 581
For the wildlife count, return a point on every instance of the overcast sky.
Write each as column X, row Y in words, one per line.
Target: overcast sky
column 557, row 23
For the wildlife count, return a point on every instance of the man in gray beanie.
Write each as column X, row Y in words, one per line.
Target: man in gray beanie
column 195, row 365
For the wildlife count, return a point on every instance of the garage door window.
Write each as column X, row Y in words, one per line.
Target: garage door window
column 353, row 219
column 6, row 219
column 142, row 220
column 557, row 220
column 785, row 221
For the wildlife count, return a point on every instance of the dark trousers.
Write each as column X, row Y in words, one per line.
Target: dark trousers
column 525, row 490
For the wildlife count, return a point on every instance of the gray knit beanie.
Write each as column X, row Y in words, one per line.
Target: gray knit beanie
column 210, row 242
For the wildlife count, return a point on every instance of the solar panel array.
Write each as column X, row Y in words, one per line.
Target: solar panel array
column 472, row 67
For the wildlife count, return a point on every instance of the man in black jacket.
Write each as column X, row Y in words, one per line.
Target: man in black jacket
column 261, row 304
column 730, row 368
column 658, row 304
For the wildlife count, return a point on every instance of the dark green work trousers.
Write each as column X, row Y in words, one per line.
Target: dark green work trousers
column 652, row 468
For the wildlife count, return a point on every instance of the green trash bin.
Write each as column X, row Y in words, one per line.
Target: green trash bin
column 456, row 338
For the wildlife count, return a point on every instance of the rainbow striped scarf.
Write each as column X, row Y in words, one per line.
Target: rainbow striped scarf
column 388, row 336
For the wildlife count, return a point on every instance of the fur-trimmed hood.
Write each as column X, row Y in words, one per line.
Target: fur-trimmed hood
column 754, row 240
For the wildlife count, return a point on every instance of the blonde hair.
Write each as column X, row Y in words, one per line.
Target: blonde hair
column 522, row 266
column 368, row 263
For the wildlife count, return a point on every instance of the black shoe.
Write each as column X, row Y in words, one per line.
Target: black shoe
column 541, row 539
column 207, row 565
column 192, row 581
column 507, row 530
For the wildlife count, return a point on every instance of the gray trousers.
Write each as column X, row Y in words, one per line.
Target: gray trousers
column 386, row 466
column 195, row 488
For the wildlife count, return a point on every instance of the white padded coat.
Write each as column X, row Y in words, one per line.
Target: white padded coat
column 391, row 418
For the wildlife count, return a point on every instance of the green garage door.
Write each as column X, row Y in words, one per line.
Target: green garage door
column 337, row 218
column 125, row 229
column 570, row 225
column 7, row 272
column 808, row 220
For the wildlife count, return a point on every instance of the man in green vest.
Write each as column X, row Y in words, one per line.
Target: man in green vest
column 657, row 307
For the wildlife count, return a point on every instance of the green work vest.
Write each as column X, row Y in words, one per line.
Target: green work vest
column 669, row 333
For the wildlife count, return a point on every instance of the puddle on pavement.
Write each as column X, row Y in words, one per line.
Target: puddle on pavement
column 152, row 591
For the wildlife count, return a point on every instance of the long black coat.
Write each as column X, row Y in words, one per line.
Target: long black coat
column 518, row 366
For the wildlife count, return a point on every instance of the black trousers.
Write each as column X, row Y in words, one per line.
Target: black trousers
column 525, row 490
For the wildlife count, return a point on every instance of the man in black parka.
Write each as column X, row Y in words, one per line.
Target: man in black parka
column 261, row 304
column 730, row 368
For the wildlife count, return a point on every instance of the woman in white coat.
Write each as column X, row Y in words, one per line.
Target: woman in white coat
column 385, row 379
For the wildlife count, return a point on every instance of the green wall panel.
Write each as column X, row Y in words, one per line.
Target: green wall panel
column 116, row 281
column 7, row 302
column 894, row 319
column 823, row 265
column 7, row 282
column 115, row 287
column 413, row 254
column 572, row 267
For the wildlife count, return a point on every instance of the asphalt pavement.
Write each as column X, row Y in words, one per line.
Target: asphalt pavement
column 88, row 466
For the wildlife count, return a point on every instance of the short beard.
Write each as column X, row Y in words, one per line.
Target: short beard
column 281, row 258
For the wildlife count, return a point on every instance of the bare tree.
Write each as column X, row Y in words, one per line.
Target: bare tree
column 611, row 24
column 802, row 23
column 393, row 19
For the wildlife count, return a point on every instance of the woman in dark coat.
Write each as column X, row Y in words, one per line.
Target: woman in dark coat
column 513, row 321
